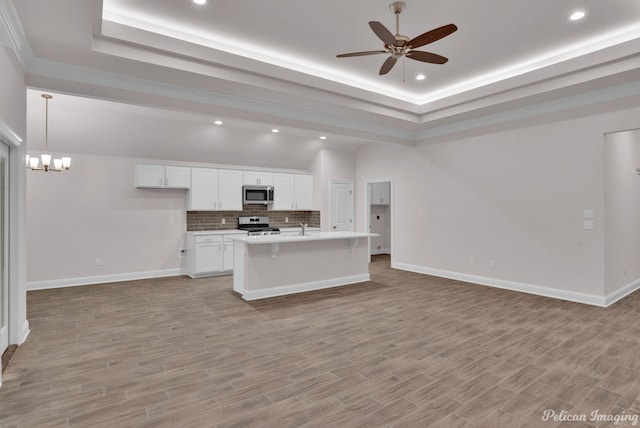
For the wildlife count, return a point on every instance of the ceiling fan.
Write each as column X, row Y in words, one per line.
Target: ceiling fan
column 400, row 46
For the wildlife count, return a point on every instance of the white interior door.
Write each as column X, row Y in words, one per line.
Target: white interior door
column 4, row 253
column 341, row 205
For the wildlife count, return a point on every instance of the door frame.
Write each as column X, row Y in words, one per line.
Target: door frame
column 18, row 324
column 367, row 210
column 351, row 205
column 4, row 310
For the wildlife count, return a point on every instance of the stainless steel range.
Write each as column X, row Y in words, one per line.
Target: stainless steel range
column 257, row 226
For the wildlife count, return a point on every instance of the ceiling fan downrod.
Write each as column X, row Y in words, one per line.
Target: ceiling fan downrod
column 397, row 7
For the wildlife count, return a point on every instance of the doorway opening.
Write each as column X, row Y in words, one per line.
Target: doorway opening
column 379, row 215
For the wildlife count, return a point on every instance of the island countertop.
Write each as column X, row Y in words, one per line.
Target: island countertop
column 276, row 265
column 310, row 236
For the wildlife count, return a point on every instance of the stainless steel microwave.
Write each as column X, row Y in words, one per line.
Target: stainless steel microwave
column 253, row 194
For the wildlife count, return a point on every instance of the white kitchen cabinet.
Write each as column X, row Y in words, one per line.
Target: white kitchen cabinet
column 303, row 191
column 210, row 253
column 292, row 191
column 214, row 190
column 163, row 177
column 204, row 189
column 258, row 177
column 229, row 190
column 381, row 193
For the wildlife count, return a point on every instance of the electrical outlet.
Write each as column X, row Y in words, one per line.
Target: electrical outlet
column 98, row 262
column 492, row 263
column 182, row 252
column 286, row 219
column 224, row 221
column 471, row 260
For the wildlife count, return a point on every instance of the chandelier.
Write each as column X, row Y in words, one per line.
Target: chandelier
column 58, row 164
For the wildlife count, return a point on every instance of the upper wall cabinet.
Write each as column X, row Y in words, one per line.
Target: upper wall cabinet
column 258, row 177
column 380, row 193
column 292, row 192
column 163, row 177
column 215, row 190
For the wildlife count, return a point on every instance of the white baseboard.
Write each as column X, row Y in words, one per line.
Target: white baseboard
column 621, row 293
column 88, row 280
column 589, row 299
column 302, row 287
column 25, row 332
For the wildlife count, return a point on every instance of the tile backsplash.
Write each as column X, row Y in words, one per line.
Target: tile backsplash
column 212, row 220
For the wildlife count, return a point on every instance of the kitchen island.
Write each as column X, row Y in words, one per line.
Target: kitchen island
column 277, row 265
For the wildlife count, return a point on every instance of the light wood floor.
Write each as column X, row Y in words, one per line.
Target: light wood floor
column 404, row 350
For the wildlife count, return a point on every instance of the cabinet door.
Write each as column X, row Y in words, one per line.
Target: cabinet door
column 204, row 189
column 284, row 193
column 177, row 177
column 230, row 190
column 258, row 177
column 150, row 176
column 381, row 193
column 303, row 192
column 208, row 254
column 228, row 255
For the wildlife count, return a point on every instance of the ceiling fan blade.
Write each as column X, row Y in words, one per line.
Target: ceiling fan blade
column 388, row 65
column 427, row 57
column 432, row 36
column 346, row 55
column 381, row 31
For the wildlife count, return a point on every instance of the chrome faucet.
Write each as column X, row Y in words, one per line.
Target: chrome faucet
column 302, row 230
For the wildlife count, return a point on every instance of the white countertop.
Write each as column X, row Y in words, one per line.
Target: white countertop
column 218, row 232
column 243, row 232
column 297, row 229
column 315, row 236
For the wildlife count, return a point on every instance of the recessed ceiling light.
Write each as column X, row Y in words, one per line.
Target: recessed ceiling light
column 218, row 122
column 322, row 137
column 577, row 15
column 275, row 130
column 421, row 77
column 200, row 1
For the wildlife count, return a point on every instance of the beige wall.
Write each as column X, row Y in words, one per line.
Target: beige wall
column 330, row 165
column 622, row 210
column 514, row 197
column 94, row 211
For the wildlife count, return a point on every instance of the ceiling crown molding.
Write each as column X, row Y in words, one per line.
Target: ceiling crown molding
column 7, row 135
column 12, row 34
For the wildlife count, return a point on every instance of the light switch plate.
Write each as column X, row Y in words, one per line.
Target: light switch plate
column 587, row 214
column 588, row 225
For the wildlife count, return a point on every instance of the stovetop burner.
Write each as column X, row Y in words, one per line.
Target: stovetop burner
column 257, row 226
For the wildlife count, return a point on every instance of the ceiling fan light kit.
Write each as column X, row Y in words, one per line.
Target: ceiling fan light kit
column 400, row 46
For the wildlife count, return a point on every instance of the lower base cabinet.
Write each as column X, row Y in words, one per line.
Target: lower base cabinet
column 209, row 254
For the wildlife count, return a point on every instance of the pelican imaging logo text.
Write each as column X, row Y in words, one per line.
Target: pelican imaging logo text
column 594, row 416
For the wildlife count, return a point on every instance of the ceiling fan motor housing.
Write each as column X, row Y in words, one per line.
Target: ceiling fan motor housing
column 397, row 7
